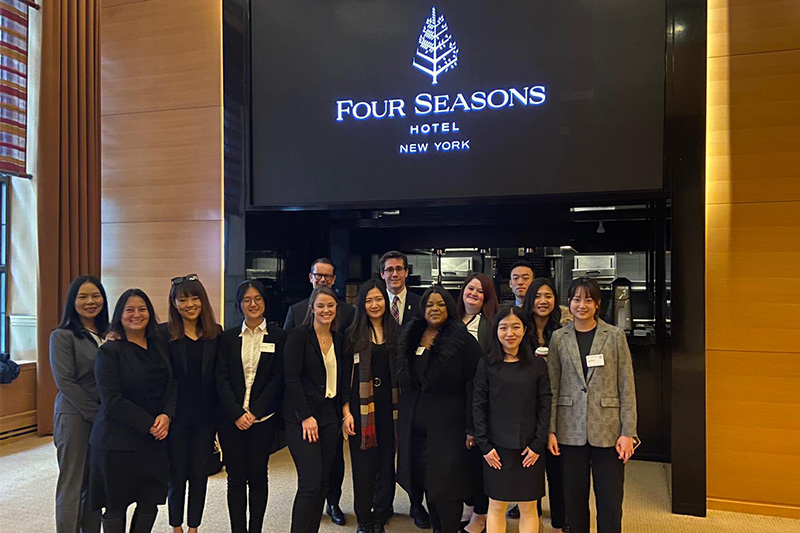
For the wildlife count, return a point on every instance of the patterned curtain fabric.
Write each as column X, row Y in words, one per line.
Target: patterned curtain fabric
column 13, row 85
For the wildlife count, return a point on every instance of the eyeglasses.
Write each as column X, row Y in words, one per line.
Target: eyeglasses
column 320, row 277
column 392, row 270
column 181, row 279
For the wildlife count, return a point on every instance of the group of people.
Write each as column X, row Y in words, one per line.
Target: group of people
column 466, row 404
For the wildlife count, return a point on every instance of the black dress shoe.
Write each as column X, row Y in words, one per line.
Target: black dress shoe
column 378, row 527
column 513, row 512
column 365, row 528
column 336, row 514
column 421, row 517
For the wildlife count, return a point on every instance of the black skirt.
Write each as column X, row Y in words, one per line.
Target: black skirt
column 119, row 478
column 514, row 483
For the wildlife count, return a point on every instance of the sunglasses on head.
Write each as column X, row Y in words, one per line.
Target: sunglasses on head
column 181, row 279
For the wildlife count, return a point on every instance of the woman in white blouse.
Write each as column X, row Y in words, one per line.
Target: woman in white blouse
column 311, row 407
column 250, row 389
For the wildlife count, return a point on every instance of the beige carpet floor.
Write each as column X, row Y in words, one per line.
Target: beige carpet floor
column 28, row 474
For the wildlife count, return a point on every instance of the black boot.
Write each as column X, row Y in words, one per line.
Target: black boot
column 365, row 528
column 142, row 522
column 115, row 525
column 379, row 527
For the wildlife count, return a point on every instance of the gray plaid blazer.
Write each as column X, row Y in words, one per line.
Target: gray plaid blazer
column 600, row 408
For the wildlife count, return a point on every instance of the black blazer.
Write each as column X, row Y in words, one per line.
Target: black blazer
column 122, row 422
column 511, row 405
column 208, row 387
column 412, row 306
column 306, row 377
column 267, row 390
column 297, row 313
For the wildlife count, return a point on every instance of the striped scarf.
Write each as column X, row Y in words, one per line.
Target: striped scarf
column 366, row 395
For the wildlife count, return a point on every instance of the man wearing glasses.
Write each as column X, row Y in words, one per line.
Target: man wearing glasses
column 322, row 273
column 394, row 271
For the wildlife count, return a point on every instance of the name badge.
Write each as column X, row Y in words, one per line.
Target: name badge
column 594, row 360
column 420, row 350
column 356, row 358
column 268, row 347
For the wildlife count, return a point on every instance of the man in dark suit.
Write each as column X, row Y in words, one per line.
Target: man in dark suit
column 323, row 272
column 404, row 305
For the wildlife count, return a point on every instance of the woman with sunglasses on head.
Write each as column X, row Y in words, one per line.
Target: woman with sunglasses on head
column 192, row 331
column 436, row 363
column 512, row 415
column 370, row 390
column 311, row 407
column 593, row 420
column 250, row 388
column 129, row 456
column 477, row 305
column 73, row 350
column 542, row 309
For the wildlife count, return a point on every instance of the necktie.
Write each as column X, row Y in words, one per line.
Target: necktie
column 396, row 308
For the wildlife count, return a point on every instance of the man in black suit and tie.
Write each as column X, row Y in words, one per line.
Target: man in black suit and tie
column 404, row 305
column 323, row 272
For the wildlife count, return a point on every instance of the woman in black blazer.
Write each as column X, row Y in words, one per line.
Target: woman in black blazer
column 313, row 361
column 129, row 461
column 370, row 390
column 511, row 409
column 250, row 387
column 192, row 332
column 73, row 351
column 435, row 366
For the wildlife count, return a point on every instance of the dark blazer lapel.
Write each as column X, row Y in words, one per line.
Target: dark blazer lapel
column 600, row 337
column 236, row 366
column 315, row 342
column 182, row 356
column 265, row 358
column 574, row 351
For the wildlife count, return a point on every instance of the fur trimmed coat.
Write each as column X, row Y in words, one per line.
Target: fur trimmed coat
column 447, row 388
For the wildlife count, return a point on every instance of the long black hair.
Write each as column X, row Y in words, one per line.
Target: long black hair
column 116, row 320
column 529, row 303
column 359, row 334
column 72, row 320
column 496, row 353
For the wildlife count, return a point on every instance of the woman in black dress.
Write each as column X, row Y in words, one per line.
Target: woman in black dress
column 193, row 332
column 436, row 364
column 313, row 362
column 129, row 458
column 369, row 389
column 512, row 416
column 250, row 389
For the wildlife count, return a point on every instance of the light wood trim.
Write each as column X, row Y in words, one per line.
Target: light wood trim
column 785, row 511
column 164, row 165
column 752, row 26
column 147, row 255
column 114, row 3
column 17, row 421
column 162, row 54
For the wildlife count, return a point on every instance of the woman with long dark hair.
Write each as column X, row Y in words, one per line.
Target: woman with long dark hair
column 370, row 390
column 250, row 389
column 512, row 415
column 313, row 365
column 193, row 332
column 73, row 350
column 593, row 420
column 129, row 457
column 542, row 309
column 436, row 364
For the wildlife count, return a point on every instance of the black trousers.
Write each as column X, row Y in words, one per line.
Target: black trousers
column 334, row 492
column 608, row 474
column 313, row 462
column 480, row 501
column 190, row 449
column 555, row 486
column 446, row 515
column 246, row 455
column 373, row 475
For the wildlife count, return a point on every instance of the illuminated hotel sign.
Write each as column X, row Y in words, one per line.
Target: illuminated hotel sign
column 437, row 53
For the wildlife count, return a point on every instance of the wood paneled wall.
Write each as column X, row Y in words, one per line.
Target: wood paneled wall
column 753, row 256
column 162, row 146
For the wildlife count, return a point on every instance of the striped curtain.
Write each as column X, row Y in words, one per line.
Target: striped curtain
column 13, row 85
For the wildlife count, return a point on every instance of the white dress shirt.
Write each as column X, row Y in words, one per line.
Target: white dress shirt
column 330, row 372
column 251, row 355
column 401, row 305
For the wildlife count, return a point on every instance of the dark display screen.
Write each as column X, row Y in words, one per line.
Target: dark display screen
column 370, row 102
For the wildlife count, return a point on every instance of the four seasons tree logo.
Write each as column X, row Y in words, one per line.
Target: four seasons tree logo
column 437, row 49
